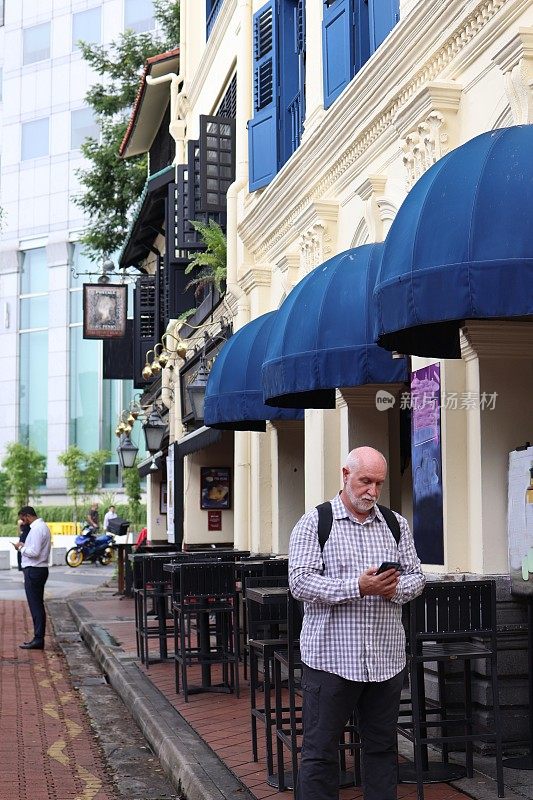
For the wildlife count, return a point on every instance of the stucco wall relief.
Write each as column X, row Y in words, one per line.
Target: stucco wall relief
column 516, row 62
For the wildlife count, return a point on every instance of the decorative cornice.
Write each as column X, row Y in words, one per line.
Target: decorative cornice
column 497, row 339
column 371, row 193
column 443, row 96
column 309, row 158
column 318, row 226
column 371, row 186
column 288, row 266
column 516, row 62
column 254, row 277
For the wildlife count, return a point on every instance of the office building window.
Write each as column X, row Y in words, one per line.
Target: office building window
column 36, row 43
column 35, row 137
column 87, row 27
column 82, row 126
column 139, row 15
column 1, row 84
column 33, row 349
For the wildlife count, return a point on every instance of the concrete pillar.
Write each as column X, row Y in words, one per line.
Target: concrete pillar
column 58, row 260
column 288, row 481
column 322, row 456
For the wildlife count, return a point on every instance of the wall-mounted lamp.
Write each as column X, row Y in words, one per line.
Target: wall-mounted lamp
column 127, row 452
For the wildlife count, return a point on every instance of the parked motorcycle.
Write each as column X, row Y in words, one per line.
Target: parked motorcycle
column 90, row 547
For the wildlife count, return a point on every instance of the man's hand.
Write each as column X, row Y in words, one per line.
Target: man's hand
column 383, row 585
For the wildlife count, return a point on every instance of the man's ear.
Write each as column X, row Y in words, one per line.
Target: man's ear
column 345, row 473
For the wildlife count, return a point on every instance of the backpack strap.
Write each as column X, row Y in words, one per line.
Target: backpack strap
column 392, row 521
column 325, row 522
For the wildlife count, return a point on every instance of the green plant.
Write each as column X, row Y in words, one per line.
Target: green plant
column 132, row 486
column 94, row 464
column 212, row 262
column 111, row 185
column 4, row 492
column 72, row 459
column 108, row 499
column 25, row 471
column 82, row 472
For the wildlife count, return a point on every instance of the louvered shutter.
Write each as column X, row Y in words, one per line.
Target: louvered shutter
column 217, row 161
column 177, row 298
column 383, row 16
column 263, row 128
column 145, row 324
column 338, row 47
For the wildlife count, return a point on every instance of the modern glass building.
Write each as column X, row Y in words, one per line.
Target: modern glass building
column 52, row 390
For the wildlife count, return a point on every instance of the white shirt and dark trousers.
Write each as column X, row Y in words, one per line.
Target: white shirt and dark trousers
column 35, row 556
column 352, row 647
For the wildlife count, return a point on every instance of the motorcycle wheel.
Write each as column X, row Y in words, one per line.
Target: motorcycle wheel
column 106, row 557
column 74, row 557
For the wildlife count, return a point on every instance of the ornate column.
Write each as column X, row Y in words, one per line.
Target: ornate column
column 516, row 62
column 318, row 235
column 427, row 126
column 371, row 193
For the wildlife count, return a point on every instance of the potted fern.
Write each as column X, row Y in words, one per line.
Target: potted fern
column 211, row 262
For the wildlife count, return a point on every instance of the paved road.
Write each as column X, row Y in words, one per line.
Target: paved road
column 62, row 581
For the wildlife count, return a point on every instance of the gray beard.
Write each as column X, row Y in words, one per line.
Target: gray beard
column 360, row 505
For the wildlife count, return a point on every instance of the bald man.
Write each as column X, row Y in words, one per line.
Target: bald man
column 352, row 640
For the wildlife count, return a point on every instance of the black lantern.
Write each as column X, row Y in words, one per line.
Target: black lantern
column 127, row 452
column 196, row 390
column 154, row 431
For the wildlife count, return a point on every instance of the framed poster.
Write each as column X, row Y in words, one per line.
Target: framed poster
column 163, row 498
column 215, row 487
column 105, row 308
column 171, row 535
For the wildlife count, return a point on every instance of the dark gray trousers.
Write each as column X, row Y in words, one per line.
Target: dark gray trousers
column 328, row 701
column 34, row 581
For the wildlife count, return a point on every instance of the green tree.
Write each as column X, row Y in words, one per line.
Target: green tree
column 111, row 185
column 25, row 471
column 212, row 262
column 82, row 472
column 92, row 474
column 72, row 459
column 132, row 485
column 4, row 491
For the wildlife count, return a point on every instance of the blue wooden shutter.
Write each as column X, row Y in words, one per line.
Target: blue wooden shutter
column 263, row 129
column 338, row 56
column 383, row 16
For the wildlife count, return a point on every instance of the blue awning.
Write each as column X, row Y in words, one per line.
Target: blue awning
column 461, row 246
column 322, row 338
column 234, row 396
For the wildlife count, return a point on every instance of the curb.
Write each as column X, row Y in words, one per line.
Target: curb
column 189, row 763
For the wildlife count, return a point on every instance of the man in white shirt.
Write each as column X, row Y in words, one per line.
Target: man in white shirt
column 35, row 554
column 110, row 514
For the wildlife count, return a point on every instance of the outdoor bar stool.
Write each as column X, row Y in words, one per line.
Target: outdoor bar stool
column 155, row 590
column 203, row 590
column 276, row 566
column 264, row 623
column 452, row 623
column 250, row 567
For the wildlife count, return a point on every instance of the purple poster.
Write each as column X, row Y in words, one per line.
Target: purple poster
column 428, row 527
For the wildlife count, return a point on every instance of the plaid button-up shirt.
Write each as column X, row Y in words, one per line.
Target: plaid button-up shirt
column 358, row 638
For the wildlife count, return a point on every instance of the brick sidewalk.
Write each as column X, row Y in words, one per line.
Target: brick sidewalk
column 222, row 720
column 47, row 749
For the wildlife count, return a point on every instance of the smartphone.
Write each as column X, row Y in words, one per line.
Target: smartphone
column 389, row 565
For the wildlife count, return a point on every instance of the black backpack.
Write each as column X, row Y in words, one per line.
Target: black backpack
column 325, row 521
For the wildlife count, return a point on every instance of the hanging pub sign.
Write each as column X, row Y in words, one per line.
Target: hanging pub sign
column 105, row 308
column 215, row 487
